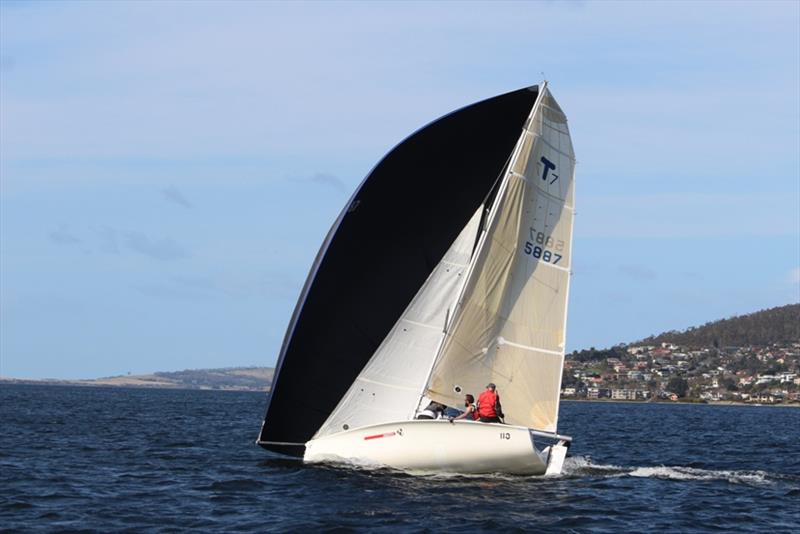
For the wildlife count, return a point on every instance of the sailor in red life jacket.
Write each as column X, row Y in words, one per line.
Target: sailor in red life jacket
column 489, row 409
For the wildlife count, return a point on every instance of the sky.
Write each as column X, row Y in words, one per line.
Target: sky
column 168, row 171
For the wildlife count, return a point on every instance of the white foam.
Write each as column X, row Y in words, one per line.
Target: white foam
column 757, row 478
column 583, row 465
column 577, row 466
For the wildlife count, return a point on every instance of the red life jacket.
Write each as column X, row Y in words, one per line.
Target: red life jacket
column 486, row 404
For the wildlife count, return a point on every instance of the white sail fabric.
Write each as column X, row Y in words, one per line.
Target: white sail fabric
column 510, row 325
column 390, row 385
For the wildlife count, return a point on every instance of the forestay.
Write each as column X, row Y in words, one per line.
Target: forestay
column 389, row 386
column 509, row 326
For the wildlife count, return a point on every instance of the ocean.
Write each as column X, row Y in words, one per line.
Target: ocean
column 112, row 459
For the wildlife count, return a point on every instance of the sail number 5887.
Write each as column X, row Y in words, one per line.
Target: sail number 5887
column 541, row 253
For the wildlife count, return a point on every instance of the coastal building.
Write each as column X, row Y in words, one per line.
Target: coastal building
column 598, row 393
column 712, row 374
column 629, row 394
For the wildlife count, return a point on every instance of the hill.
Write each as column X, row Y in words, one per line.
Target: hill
column 231, row 379
column 765, row 327
column 752, row 358
column 250, row 378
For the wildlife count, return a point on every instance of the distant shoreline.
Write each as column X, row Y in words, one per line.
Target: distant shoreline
column 692, row 403
column 97, row 384
column 219, row 379
column 100, row 383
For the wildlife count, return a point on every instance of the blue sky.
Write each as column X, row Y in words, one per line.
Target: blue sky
column 169, row 170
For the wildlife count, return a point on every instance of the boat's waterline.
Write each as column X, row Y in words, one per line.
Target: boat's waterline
column 434, row 446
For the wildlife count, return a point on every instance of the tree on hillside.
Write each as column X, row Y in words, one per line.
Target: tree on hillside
column 729, row 383
column 776, row 325
column 678, row 385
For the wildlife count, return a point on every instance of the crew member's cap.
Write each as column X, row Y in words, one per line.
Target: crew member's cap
column 491, row 385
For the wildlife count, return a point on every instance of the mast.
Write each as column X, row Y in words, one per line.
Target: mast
column 481, row 240
column 510, row 325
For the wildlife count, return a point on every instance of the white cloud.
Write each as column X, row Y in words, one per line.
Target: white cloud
column 113, row 80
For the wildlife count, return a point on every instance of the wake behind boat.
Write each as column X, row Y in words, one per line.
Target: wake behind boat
column 447, row 269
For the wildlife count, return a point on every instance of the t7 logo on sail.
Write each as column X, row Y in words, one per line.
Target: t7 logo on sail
column 548, row 166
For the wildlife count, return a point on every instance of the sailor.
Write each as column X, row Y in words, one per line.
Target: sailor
column 489, row 409
column 470, row 412
column 432, row 411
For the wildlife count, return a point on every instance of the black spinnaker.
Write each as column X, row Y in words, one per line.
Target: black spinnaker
column 387, row 240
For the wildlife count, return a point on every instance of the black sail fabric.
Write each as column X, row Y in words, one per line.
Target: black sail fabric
column 387, row 240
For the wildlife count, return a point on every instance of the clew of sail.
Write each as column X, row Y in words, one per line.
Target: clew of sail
column 388, row 388
column 510, row 324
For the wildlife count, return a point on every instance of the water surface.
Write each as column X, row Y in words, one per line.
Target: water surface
column 113, row 459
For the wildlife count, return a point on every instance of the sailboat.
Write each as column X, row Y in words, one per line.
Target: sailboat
column 447, row 269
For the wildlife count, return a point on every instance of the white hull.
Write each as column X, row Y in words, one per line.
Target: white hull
column 436, row 446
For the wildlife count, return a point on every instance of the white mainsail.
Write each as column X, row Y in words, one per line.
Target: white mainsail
column 390, row 385
column 510, row 323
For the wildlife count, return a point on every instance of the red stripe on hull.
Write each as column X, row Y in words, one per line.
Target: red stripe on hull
column 384, row 435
